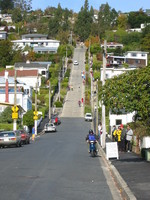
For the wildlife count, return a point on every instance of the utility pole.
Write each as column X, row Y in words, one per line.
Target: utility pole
column 35, row 121
column 59, row 86
column 15, row 99
column 103, row 141
column 97, row 107
column 49, row 101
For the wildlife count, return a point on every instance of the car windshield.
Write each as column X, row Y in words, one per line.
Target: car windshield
column 88, row 115
column 5, row 134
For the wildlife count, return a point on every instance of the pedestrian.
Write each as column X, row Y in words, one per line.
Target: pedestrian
column 56, row 120
column 123, row 138
column 99, row 132
column 79, row 103
column 129, row 136
column 82, row 101
column 117, row 135
column 33, row 133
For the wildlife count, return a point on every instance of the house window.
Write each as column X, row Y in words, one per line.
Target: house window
column 118, row 121
column 43, row 72
column 143, row 55
column 137, row 61
column 133, row 54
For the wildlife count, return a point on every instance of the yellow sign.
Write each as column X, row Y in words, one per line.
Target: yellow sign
column 15, row 109
column 14, row 115
column 35, row 117
column 35, row 112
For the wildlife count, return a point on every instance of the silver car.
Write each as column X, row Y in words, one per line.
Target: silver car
column 49, row 127
column 9, row 138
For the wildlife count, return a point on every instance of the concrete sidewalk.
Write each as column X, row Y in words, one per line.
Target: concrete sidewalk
column 131, row 174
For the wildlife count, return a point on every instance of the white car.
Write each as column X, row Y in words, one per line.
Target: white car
column 49, row 127
column 75, row 62
column 88, row 117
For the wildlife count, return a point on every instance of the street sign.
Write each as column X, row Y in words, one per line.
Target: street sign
column 111, row 150
column 14, row 115
column 35, row 117
column 15, row 109
column 35, row 112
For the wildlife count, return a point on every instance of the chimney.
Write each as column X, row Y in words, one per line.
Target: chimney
column 6, row 87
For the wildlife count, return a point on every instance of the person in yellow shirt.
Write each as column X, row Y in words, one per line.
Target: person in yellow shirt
column 117, row 136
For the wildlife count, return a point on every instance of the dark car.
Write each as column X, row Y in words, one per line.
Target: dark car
column 9, row 138
column 25, row 137
column 55, row 120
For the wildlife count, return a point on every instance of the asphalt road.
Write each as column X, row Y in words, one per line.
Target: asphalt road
column 55, row 166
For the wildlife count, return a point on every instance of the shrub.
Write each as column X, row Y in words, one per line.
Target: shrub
column 58, row 104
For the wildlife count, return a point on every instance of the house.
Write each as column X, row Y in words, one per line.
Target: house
column 113, row 45
column 136, row 58
column 115, row 60
column 7, row 92
column 28, row 77
column 38, row 42
column 111, row 72
column 42, row 67
column 3, row 35
column 6, row 17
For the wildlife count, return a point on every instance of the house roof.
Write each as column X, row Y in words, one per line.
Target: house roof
column 31, row 65
column 20, row 73
column 137, row 52
column 34, row 35
column 113, row 44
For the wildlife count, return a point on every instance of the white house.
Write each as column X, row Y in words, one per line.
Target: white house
column 23, row 93
column 28, row 77
column 137, row 58
column 38, row 42
column 112, row 45
column 111, row 72
column 42, row 67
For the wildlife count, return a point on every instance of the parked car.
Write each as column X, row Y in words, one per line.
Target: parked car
column 88, row 117
column 75, row 62
column 25, row 137
column 9, row 138
column 49, row 127
column 55, row 120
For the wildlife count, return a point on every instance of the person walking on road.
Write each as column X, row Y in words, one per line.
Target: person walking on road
column 79, row 103
column 129, row 136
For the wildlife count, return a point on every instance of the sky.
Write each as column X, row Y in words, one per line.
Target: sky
column 75, row 5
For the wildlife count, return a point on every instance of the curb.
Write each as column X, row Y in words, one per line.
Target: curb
column 125, row 191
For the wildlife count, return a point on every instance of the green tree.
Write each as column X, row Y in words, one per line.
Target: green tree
column 83, row 23
column 28, row 119
column 106, row 18
column 122, row 21
column 145, row 43
column 6, row 115
column 129, row 91
column 135, row 19
column 16, row 15
column 24, row 5
column 6, row 53
column 6, row 5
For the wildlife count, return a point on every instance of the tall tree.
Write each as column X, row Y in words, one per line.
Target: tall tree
column 106, row 18
column 135, row 19
column 24, row 5
column 6, row 5
column 84, row 22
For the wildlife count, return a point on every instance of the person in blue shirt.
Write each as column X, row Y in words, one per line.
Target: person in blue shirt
column 92, row 137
